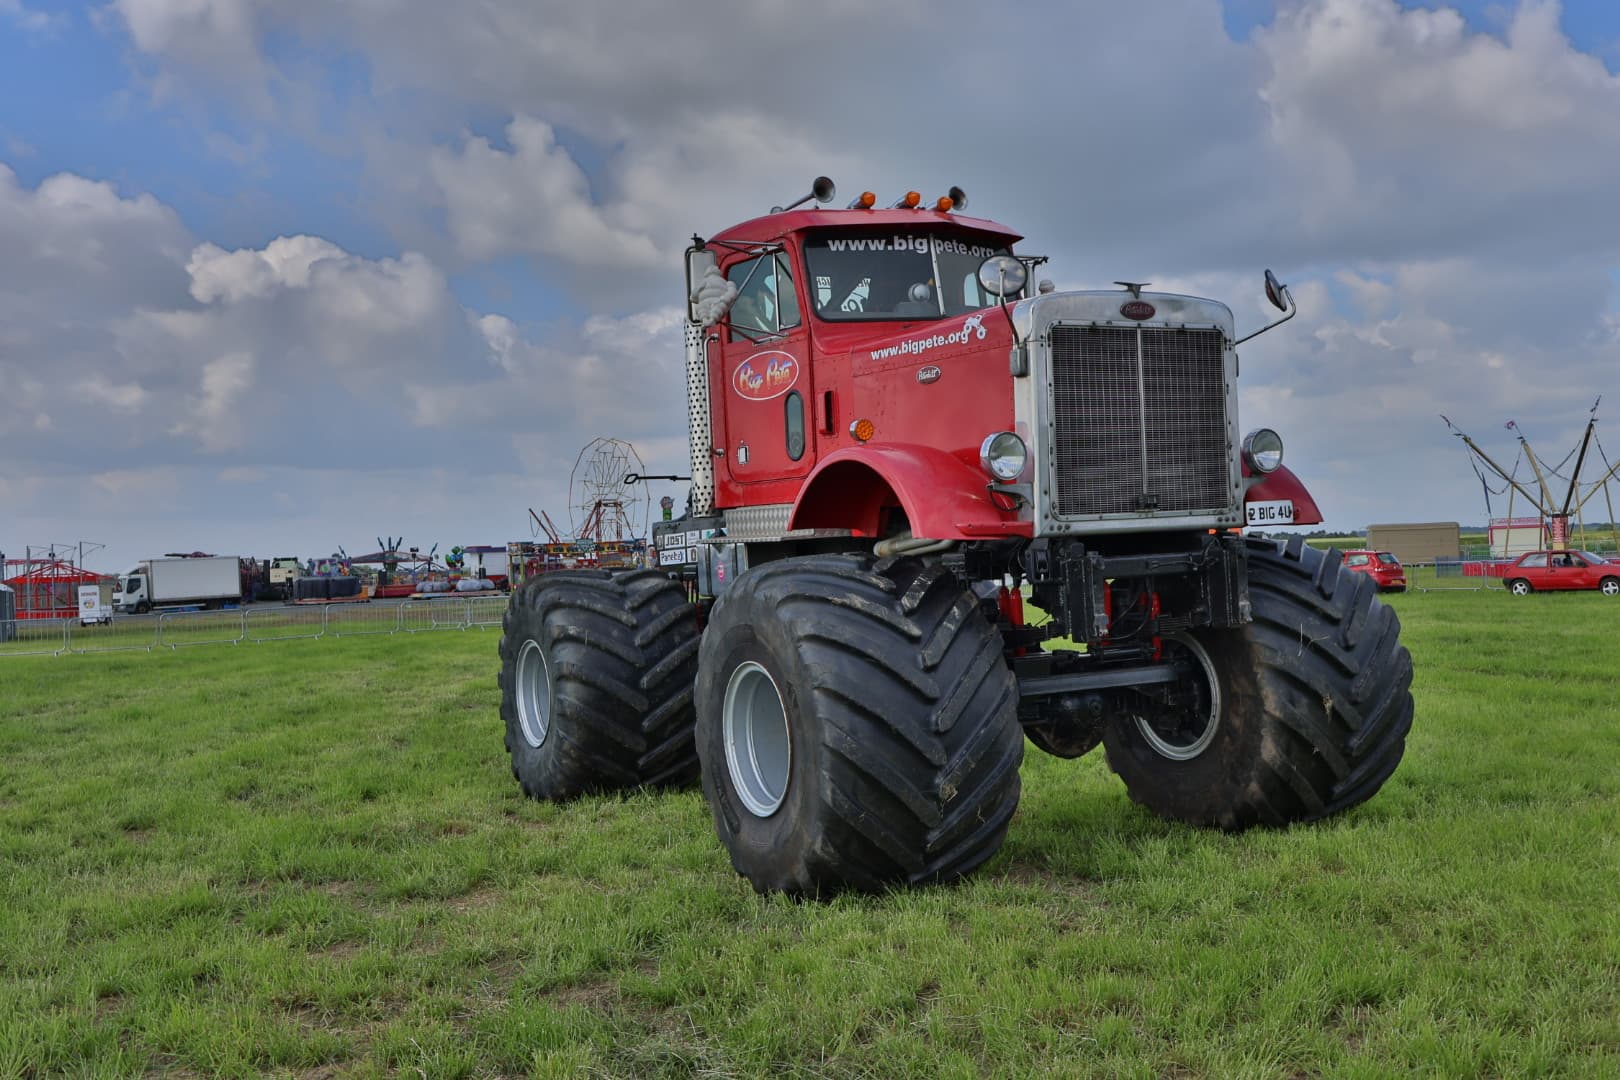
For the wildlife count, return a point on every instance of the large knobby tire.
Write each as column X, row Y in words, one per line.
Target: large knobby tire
column 596, row 682
column 1306, row 713
column 857, row 726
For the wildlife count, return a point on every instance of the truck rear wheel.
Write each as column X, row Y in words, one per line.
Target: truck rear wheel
column 596, row 682
column 857, row 726
column 1300, row 714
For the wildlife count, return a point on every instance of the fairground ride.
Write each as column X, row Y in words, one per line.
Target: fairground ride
column 1554, row 512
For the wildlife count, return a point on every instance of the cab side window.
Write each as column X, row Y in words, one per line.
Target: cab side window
column 794, row 425
column 766, row 304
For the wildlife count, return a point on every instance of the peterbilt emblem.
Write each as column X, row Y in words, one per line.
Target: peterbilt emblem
column 928, row 374
column 1137, row 309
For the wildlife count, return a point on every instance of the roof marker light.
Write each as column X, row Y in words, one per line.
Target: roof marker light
column 865, row 201
column 944, row 204
column 910, row 201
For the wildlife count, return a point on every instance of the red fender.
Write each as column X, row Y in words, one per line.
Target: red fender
column 944, row 498
column 1283, row 484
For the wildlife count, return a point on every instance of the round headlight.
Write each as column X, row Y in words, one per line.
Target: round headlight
column 1003, row 455
column 1263, row 450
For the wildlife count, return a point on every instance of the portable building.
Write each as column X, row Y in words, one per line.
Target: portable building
column 1419, row 542
column 1515, row 536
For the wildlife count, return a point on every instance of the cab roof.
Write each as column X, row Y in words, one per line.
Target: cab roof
column 771, row 227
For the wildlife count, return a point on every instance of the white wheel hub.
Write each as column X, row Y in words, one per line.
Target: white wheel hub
column 759, row 753
column 533, row 693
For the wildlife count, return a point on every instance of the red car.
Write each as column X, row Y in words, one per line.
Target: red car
column 1539, row 571
column 1382, row 566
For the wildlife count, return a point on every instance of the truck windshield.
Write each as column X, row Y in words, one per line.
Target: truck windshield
column 892, row 275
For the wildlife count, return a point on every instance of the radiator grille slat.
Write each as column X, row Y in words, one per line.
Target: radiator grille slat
column 1099, row 409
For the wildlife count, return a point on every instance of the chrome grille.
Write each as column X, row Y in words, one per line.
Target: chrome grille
column 1140, row 420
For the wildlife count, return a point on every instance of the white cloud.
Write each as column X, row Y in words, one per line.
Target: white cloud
column 533, row 199
column 210, row 413
column 1410, row 133
column 217, row 39
column 73, row 244
column 119, row 397
column 237, row 275
column 277, row 360
column 28, row 19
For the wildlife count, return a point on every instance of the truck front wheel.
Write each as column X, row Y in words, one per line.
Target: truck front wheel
column 596, row 683
column 857, row 726
column 1300, row 714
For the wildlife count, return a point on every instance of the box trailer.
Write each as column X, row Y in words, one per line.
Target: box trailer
column 171, row 583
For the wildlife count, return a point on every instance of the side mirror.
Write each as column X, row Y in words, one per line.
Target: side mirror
column 1002, row 275
column 708, row 294
column 698, row 262
column 1275, row 291
column 1281, row 299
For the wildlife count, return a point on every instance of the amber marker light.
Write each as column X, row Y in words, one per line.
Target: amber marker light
column 910, row 200
column 863, row 430
column 867, row 200
column 944, row 204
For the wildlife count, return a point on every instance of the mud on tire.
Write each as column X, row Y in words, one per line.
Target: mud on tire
column 1315, row 703
column 857, row 726
column 596, row 682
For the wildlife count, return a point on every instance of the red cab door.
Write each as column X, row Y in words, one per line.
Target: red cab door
column 765, row 375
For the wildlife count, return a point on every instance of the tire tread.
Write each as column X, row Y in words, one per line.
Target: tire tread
column 898, row 659
column 622, row 649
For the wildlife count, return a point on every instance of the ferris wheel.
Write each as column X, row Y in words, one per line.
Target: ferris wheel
column 602, row 505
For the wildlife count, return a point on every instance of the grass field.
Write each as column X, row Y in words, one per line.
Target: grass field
column 309, row 858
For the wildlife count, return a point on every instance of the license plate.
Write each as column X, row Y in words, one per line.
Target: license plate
column 1276, row 512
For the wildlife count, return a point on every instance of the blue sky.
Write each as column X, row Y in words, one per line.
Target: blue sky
column 484, row 210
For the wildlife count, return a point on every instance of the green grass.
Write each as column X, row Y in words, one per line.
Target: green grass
column 309, row 858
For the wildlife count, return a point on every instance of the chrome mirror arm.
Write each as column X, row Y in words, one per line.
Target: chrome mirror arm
column 1291, row 312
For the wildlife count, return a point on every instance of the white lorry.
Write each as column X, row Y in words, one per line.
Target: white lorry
column 181, row 583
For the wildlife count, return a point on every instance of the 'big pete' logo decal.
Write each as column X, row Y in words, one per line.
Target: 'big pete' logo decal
column 765, row 375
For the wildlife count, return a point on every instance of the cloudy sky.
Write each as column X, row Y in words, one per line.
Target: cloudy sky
column 282, row 275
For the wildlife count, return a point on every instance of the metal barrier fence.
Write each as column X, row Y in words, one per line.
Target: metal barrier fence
column 250, row 625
